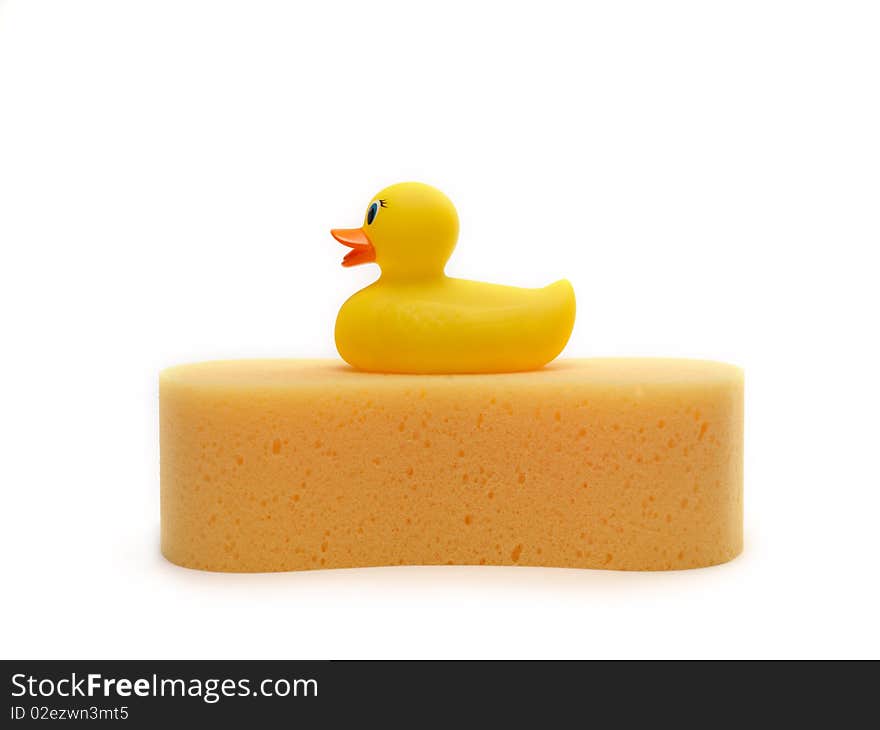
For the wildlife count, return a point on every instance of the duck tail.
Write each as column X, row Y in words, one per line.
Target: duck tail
column 561, row 317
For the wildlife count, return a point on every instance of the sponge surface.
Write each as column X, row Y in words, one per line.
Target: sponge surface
column 630, row 464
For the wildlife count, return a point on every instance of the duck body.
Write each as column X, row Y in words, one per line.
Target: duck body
column 415, row 319
column 454, row 326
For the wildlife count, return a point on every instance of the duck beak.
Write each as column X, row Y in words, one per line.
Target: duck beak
column 362, row 251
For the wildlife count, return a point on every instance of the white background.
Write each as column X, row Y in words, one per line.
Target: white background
column 706, row 174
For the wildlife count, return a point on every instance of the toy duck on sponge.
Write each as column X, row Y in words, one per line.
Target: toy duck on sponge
column 415, row 319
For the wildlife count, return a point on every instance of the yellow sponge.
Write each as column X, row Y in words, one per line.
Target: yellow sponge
column 629, row 464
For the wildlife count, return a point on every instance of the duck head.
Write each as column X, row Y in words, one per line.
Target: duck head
column 410, row 230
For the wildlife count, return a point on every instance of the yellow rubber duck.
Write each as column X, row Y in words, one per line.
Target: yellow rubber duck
column 415, row 319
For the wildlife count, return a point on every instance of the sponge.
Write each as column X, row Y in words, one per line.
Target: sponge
column 628, row 464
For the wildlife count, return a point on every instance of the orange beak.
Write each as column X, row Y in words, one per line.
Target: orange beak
column 362, row 251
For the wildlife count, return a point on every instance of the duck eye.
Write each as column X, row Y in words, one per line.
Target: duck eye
column 371, row 213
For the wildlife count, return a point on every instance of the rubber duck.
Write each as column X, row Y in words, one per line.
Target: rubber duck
column 415, row 319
